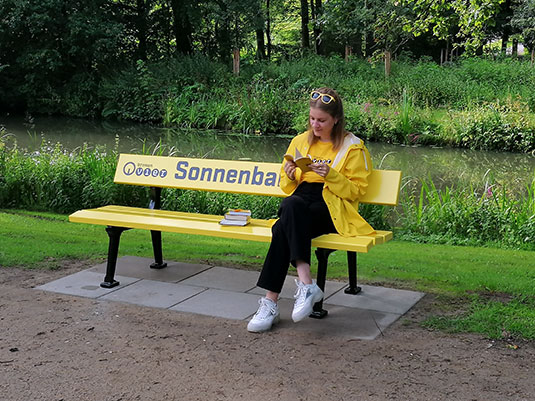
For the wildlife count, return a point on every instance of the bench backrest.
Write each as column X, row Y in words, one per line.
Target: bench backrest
column 244, row 177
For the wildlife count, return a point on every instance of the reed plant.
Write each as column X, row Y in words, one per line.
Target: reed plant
column 405, row 114
column 54, row 179
column 469, row 216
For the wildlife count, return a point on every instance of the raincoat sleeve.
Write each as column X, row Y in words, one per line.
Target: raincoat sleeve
column 351, row 182
column 286, row 184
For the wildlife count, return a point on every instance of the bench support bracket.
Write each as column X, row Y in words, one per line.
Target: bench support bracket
column 114, row 233
column 322, row 255
column 353, row 288
column 156, row 203
column 157, row 248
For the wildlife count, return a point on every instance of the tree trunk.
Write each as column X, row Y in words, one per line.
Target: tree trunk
column 260, row 45
column 369, row 44
column 236, row 62
column 305, row 37
column 223, row 39
column 532, row 56
column 348, row 53
column 182, row 27
column 141, row 27
column 505, row 41
column 388, row 57
column 357, row 45
column 514, row 52
column 316, row 10
column 268, row 30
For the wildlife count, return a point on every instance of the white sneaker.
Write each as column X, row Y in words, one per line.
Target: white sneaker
column 305, row 298
column 266, row 316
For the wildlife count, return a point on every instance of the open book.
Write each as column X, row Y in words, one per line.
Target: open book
column 301, row 161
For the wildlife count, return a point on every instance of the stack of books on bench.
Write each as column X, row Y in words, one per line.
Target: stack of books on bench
column 236, row 217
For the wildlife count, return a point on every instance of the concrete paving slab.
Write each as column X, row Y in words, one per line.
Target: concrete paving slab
column 134, row 266
column 85, row 284
column 224, row 278
column 231, row 293
column 380, row 299
column 226, row 304
column 341, row 322
column 288, row 289
column 153, row 293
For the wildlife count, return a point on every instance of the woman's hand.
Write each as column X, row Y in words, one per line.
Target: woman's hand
column 320, row 169
column 289, row 169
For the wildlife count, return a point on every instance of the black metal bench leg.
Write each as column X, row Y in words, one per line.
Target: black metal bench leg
column 352, row 273
column 114, row 233
column 157, row 248
column 322, row 255
column 155, row 204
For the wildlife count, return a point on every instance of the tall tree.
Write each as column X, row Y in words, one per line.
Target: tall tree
column 524, row 20
column 46, row 45
column 268, row 28
column 471, row 19
column 305, row 36
column 142, row 12
column 260, row 23
column 182, row 25
column 316, row 9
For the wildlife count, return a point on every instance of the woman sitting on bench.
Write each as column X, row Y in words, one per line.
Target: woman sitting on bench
column 324, row 199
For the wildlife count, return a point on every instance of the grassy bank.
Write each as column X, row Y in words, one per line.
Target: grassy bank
column 483, row 290
column 474, row 103
column 53, row 179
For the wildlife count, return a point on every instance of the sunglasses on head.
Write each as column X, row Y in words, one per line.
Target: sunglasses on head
column 325, row 98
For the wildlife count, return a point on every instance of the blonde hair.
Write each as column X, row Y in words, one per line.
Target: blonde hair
column 336, row 110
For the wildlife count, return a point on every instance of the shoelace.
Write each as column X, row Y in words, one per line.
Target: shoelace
column 300, row 294
column 265, row 309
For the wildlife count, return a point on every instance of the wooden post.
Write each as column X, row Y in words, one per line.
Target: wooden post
column 349, row 52
column 388, row 57
column 236, row 62
column 532, row 56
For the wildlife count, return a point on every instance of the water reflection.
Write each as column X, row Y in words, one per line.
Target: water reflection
column 443, row 166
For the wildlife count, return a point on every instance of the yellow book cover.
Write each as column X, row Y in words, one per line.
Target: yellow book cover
column 301, row 161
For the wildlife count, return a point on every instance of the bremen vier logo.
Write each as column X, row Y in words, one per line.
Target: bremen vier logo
column 131, row 168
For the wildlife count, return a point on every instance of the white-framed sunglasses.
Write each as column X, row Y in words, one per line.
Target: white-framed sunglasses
column 325, row 98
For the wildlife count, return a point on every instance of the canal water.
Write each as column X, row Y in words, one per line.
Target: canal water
column 445, row 166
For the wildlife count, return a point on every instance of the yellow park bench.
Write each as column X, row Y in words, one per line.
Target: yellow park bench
column 243, row 177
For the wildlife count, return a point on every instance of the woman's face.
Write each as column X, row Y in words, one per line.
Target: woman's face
column 322, row 123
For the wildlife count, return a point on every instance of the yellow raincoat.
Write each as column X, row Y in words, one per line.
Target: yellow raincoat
column 345, row 183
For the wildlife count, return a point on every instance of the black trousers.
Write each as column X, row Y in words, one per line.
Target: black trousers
column 302, row 216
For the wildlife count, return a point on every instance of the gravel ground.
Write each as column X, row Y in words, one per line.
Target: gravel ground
column 58, row 347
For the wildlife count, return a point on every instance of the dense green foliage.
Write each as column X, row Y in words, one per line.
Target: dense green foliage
column 474, row 103
column 52, row 179
column 59, row 56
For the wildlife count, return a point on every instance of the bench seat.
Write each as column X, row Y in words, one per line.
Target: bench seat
column 204, row 224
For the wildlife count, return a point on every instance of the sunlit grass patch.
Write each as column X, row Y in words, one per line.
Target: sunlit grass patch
column 497, row 320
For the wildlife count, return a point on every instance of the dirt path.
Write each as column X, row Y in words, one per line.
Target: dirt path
column 56, row 347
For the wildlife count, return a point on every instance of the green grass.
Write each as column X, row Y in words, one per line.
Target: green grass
column 496, row 320
column 495, row 287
